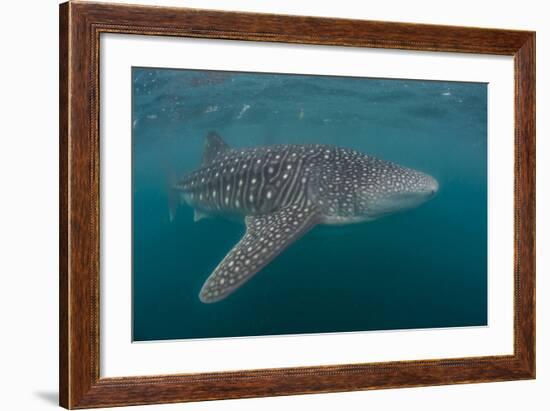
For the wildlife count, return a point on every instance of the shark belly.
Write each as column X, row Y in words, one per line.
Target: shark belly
column 342, row 220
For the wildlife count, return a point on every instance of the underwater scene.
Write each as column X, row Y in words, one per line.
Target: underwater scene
column 272, row 204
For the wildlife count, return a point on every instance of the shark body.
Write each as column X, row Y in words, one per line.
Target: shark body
column 283, row 191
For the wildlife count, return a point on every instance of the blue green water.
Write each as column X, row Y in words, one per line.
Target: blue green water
column 422, row 268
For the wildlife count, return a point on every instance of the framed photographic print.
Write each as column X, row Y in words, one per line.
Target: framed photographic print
column 257, row 205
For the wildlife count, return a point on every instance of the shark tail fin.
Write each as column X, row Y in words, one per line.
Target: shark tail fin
column 173, row 198
column 213, row 147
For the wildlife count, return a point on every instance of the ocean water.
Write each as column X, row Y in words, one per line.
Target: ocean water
column 422, row 268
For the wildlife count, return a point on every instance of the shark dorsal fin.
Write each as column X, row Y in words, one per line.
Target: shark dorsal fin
column 213, row 147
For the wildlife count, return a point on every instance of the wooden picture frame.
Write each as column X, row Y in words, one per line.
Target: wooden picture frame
column 80, row 27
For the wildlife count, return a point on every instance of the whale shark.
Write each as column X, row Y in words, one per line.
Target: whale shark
column 283, row 191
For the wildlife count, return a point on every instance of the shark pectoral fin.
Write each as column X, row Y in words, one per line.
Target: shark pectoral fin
column 266, row 237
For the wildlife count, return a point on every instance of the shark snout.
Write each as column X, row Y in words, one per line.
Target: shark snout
column 425, row 187
column 432, row 186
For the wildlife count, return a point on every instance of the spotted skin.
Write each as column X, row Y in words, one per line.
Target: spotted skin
column 266, row 236
column 283, row 191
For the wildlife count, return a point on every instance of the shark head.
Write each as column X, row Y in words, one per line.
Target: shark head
column 386, row 188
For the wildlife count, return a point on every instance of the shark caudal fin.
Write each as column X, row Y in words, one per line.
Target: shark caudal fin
column 213, row 147
column 173, row 197
column 172, row 204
